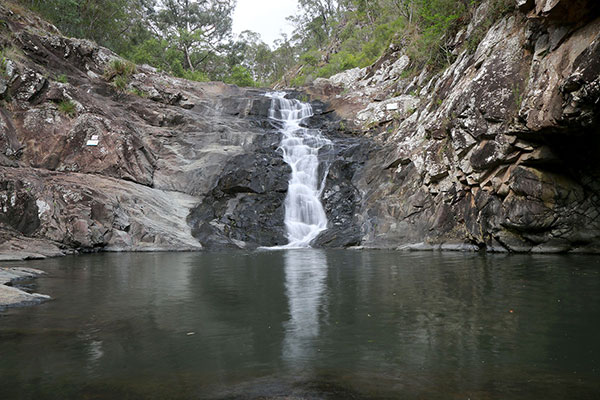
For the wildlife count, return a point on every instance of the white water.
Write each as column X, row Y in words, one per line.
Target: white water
column 304, row 214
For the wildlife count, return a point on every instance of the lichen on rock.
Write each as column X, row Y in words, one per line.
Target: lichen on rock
column 497, row 152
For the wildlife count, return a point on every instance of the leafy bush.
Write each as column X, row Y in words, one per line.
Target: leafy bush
column 422, row 28
column 198, row 76
column 62, row 78
column 240, row 76
column 67, row 107
column 298, row 81
column 119, row 67
column 118, row 71
column 439, row 22
column 152, row 52
column 311, row 57
column 121, row 82
column 340, row 62
column 138, row 92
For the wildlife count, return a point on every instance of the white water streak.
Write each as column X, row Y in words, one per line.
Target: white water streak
column 304, row 214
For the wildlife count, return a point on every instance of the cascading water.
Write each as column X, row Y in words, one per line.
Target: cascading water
column 304, row 214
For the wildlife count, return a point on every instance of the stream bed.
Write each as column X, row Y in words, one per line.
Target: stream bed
column 306, row 324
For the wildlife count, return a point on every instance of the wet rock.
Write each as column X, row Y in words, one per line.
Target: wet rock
column 122, row 172
column 341, row 199
column 11, row 296
column 246, row 207
column 495, row 152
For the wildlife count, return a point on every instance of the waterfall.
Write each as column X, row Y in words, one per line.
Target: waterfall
column 304, row 214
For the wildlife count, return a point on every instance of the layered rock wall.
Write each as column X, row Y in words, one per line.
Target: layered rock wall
column 497, row 152
column 163, row 144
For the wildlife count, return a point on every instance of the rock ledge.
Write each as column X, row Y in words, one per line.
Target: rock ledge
column 11, row 296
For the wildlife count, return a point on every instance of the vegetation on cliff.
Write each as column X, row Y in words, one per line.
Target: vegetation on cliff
column 336, row 36
column 188, row 39
column 193, row 39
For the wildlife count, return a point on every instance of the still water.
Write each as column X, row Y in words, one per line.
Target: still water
column 311, row 324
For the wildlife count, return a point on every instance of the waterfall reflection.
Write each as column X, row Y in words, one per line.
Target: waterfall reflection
column 305, row 283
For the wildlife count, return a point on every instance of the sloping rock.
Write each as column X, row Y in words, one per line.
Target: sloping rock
column 121, row 171
column 498, row 152
column 13, row 296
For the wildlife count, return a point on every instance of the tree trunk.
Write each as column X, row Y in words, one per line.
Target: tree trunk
column 187, row 58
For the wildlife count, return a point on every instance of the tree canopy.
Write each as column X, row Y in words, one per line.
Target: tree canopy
column 193, row 38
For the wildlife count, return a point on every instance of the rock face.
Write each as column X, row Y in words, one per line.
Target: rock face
column 497, row 151
column 245, row 208
column 159, row 150
column 166, row 164
column 341, row 197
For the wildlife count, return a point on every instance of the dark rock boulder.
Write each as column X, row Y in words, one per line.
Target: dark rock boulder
column 341, row 199
column 246, row 207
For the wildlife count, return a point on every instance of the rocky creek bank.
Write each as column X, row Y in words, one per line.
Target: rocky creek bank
column 11, row 294
column 496, row 152
column 164, row 164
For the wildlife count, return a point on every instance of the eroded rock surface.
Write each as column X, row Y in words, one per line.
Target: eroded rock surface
column 497, row 151
column 158, row 150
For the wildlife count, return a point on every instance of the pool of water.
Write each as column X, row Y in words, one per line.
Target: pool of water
column 310, row 324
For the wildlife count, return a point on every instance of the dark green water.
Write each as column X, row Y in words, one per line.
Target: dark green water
column 307, row 324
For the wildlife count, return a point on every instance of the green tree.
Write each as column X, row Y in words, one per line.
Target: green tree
column 108, row 22
column 196, row 28
column 240, row 76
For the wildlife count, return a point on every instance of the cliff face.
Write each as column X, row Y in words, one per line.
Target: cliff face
column 499, row 151
column 162, row 146
column 496, row 152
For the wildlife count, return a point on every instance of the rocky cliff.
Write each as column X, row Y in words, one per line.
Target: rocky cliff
column 496, row 152
column 86, row 165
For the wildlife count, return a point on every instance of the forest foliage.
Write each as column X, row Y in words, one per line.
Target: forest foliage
column 193, row 38
column 334, row 36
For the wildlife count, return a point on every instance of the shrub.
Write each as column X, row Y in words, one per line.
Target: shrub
column 440, row 20
column 121, row 82
column 298, row 81
column 311, row 57
column 67, row 107
column 138, row 92
column 197, row 76
column 62, row 78
column 119, row 67
column 240, row 76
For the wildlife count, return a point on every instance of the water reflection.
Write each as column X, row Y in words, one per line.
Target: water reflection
column 305, row 284
column 307, row 324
